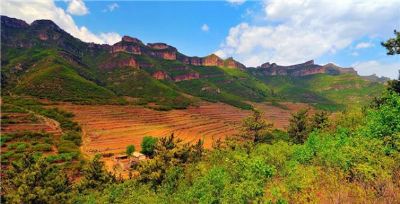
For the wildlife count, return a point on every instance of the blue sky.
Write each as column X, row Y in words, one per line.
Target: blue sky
column 347, row 33
column 176, row 23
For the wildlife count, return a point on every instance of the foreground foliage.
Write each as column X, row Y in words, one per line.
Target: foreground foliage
column 354, row 158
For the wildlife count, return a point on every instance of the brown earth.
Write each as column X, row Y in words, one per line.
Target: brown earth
column 110, row 128
column 22, row 122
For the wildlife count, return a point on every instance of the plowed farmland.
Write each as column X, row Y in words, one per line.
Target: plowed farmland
column 110, row 128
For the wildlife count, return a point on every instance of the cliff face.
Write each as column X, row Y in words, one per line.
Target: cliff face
column 117, row 63
column 188, row 76
column 129, row 45
column 303, row 69
column 160, row 75
column 162, row 50
column 212, row 60
column 231, row 63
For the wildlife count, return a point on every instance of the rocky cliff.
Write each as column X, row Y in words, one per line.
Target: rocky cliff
column 47, row 33
column 303, row 69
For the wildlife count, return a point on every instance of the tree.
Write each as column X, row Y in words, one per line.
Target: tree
column 319, row 120
column 298, row 128
column 393, row 44
column 169, row 152
column 130, row 149
column 148, row 145
column 33, row 180
column 255, row 128
column 95, row 176
column 393, row 48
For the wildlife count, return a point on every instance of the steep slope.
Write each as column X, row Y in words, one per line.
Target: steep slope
column 42, row 60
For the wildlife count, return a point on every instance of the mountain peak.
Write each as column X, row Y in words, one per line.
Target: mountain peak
column 130, row 39
column 46, row 24
column 13, row 22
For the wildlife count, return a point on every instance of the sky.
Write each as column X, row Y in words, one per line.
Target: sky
column 345, row 32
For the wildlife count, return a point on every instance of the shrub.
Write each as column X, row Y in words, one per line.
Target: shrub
column 148, row 145
column 21, row 147
column 130, row 149
column 66, row 146
column 42, row 147
column 72, row 136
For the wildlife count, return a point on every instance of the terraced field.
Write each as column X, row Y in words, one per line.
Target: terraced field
column 21, row 122
column 110, row 128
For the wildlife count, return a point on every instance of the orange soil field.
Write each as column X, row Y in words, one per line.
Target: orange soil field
column 110, row 128
column 22, row 124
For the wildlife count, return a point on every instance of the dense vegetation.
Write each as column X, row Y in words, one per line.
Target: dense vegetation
column 353, row 157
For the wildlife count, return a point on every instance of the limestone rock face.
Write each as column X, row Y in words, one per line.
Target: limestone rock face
column 129, row 39
column 212, row 60
column 162, row 50
column 231, row 63
column 129, row 45
column 160, row 75
column 119, row 63
column 186, row 77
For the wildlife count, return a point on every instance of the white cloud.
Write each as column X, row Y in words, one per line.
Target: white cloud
column 205, row 28
column 111, row 7
column 295, row 31
column 236, row 2
column 77, row 7
column 46, row 9
column 363, row 45
column 379, row 68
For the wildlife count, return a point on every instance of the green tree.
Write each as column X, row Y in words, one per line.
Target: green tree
column 255, row 128
column 95, row 176
column 298, row 128
column 393, row 48
column 319, row 120
column 393, row 44
column 169, row 152
column 148, row 145
column 33, row 180
column 130, row 149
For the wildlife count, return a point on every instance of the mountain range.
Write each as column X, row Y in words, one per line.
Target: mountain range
column 42, row 60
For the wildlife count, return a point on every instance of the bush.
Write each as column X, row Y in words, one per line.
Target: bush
column 66, row 146
column 148, row 145
column 42, row 147
column 130, row 149
column 72, row 136
column 21, row 147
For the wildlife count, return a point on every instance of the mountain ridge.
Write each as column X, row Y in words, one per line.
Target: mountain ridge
column 162, row 50
column 44, row 61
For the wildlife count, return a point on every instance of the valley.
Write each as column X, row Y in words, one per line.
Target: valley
column 110, row 128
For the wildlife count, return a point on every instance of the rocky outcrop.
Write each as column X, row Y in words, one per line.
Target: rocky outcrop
column 160, row 75
column 303, row 69
column 129, row 45
column 212, row 60
column 119, row 63
column 162, row 50
column 186, row 77
column 231, row 63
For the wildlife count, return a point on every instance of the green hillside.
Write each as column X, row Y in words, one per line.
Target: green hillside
column 325, row 91
column 44, row 61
